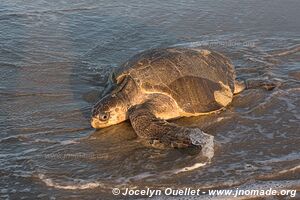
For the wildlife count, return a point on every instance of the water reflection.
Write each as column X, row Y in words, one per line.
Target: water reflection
column 55, row 59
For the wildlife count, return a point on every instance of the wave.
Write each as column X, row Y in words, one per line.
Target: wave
column 201, row 160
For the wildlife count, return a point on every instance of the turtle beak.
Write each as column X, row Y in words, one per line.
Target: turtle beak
column 95, row 119
column 94, row 122
column 97, row 123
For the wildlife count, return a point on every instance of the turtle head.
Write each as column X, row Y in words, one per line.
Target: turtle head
column 110, row 110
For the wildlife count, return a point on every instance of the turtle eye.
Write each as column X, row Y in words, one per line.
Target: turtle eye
column 104, row 116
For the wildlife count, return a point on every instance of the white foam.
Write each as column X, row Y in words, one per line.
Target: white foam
column 193, row 167
column 207, row 143
column 289, row 170
column 75, row 186
column 64, row 142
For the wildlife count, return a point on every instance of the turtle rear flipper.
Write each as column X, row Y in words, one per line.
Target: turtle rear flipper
column 261, row 83
column 162, row 134
column 240, row 85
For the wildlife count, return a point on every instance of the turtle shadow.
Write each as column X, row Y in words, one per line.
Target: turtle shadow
column 116, row 133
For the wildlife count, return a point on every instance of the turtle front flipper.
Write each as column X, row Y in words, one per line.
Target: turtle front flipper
column 162, row 134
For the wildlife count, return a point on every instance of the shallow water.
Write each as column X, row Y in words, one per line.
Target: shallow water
column 54, row 61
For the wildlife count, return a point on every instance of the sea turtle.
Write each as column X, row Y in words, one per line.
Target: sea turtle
column 167, row 83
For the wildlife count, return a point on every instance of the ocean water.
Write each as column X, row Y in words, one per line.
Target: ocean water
column 55, row 57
